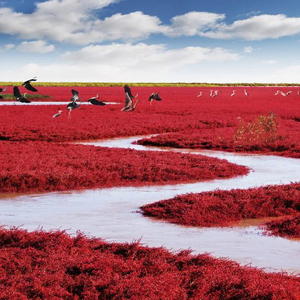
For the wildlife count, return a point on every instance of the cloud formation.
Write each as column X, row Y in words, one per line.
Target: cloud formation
column 248, row 49
column 76, row 22
column 35, row 46
column 146, row 56
column 123, row 62
column 257, row 28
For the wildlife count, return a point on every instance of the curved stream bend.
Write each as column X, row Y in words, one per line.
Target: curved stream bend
column 110, row 213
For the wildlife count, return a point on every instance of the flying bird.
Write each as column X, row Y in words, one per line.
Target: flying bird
column 132, row 107
column 75, row 96
column 28, row 86
column 95, row 101
column 154, row 96
column 57, row 114
column 19, row 97
column 72, row 105
column 2, row 90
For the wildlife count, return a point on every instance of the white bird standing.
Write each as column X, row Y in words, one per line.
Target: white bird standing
column 277, row 92
column 216, row 93
column 233, row 93
column 288, row 93
column 246, row 93
column 57, row 114
column 200, row 94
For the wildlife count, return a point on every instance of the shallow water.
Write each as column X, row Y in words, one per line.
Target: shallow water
column 112, row 213
column 12, row 102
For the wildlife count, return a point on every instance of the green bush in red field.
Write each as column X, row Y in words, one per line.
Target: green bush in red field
column 223, row 208
column 53, row 265
column 285, row 227
column 40, row 166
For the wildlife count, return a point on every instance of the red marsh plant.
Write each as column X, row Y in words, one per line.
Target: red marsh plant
column 285, row 227
column 40, row 166
column 53, row 265
column 225, row 208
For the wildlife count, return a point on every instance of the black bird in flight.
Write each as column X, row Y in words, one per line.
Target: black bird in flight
column 75, row 96
column 154, row 96
column 2, row 90
column 72, row 105
column 94, row 101
column 28, row 86
column 19, row 97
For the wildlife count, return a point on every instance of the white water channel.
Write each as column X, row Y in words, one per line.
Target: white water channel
column 112, row 213
column 12, row 102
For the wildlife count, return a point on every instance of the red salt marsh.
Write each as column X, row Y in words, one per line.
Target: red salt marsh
column 192, row 119
column 227, row 208
column 53, row 265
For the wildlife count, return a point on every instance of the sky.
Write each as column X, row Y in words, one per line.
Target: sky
column 215, row 41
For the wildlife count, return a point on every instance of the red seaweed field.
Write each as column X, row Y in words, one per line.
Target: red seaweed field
column 40, row 166
column 39, row 154
column 53, row 265
column 226, row 208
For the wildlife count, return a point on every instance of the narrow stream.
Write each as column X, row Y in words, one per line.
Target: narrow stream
column 112, row 213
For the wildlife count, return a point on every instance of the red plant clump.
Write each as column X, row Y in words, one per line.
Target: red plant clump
column 285, row 227
column 223, row 208
column 40, row 166
column 53, row 265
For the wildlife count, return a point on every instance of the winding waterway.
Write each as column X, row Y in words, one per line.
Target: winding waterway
column 112, row 213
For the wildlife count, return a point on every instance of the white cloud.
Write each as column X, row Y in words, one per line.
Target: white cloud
column 35, row 46
column 270, row 61
column 288, row 74
column 7, row 47
column 193, row 23
column 74, row 22
column 257, row 28
column 248, row 49
column 143, row 55
column 123, row 62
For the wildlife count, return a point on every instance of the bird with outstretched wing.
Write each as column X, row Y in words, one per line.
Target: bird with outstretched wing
column 2, row 90
column 19, row 97
column 95, row 101
column 28, row 86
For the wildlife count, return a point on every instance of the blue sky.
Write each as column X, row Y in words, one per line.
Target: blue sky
column 150, row 41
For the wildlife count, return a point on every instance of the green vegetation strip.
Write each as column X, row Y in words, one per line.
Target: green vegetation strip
column 28, row 96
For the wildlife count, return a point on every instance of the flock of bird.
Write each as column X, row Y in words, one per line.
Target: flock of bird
column 214, row 93
column 75, row 100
